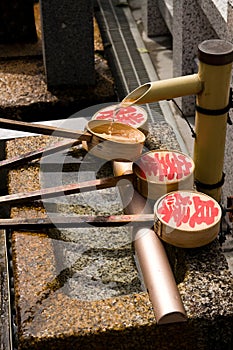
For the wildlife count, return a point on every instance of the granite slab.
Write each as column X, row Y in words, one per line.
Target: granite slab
column 50, row 317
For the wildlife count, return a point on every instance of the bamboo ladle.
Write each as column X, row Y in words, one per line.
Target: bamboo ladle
column 104, row 139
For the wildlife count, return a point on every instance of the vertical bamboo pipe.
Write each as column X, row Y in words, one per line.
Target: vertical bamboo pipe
column 215, row 69
column 152, row 258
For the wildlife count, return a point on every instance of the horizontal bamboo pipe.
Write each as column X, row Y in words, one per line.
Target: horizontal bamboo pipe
column 164, row 89
column 156, row 271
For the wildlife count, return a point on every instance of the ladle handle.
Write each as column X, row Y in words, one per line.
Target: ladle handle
column 24, row 197
column 77, row 221
column 42, row 152
column 44, row 129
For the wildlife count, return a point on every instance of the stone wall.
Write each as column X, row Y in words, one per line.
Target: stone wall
column 190, row 22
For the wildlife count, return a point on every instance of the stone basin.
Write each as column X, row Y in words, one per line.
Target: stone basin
column 51, row 314
column 55, row 305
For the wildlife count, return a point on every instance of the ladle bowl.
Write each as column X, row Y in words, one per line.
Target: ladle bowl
column 161, row 171
column 114, row 141
column 187, row 219
column 133, row 115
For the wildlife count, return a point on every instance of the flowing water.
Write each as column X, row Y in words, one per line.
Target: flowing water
column 116, row 110
column 124, row 135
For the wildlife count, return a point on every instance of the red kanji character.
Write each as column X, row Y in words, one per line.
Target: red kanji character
column 129, row 115
column 176, row 208
column 162, row 166
column 105, row 114
column 205, row 212
column 148, row 166
column 187, row 165
column 178, row 166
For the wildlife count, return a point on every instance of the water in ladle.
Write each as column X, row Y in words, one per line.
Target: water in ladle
column 115, row 111
column 123, row 136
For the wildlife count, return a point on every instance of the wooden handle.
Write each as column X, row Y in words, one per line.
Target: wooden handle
column 76, row 221
column 44, row 129
column 26, row 157
column 51, row 192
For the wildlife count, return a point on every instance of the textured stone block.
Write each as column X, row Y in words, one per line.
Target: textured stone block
column 153, row 21
column 191, row 27
column 68, row 42
column 189, row 22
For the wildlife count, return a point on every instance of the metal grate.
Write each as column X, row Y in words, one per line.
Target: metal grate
column 124, row 58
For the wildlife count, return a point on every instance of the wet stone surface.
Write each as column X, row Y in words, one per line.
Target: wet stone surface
column 80, row 288
column 97, row 263
column 98, row 267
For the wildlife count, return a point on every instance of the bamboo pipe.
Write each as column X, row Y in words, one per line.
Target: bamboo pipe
column 212, row 87
column 156, row 271
column 164, row 89
column 215, row 69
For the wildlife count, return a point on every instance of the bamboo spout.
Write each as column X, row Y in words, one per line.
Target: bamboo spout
column 164, row 90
